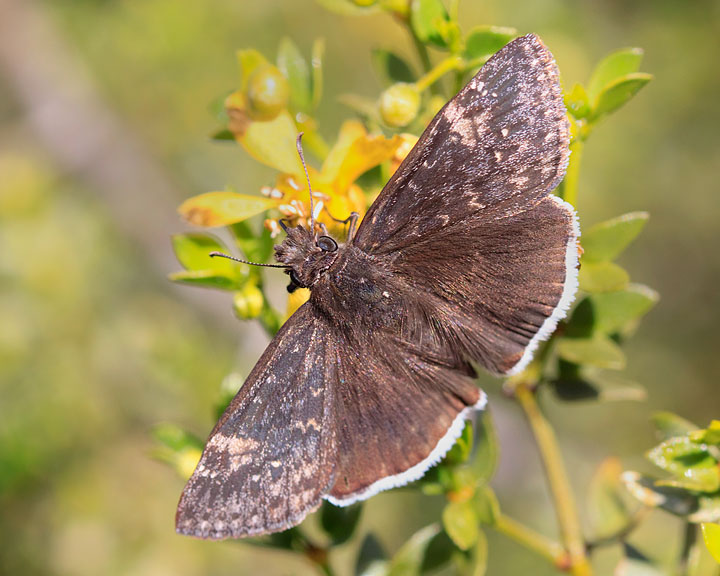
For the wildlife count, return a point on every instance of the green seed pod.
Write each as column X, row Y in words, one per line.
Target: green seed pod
column 268, row 92
column 399, row 104
column 248, row 302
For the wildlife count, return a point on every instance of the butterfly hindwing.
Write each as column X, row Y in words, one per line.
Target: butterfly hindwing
column 270, row 459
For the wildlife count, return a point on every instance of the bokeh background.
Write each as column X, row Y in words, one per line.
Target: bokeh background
column 104, row 127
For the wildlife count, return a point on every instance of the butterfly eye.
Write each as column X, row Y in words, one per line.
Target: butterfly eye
column 327, row 244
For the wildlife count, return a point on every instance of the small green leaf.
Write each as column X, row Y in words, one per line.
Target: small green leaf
column 177, row 448
column 635, row 563
column 371, row 558
column 483, row 41
column 462, row 448
column 391, row 68
column 460, row 520
column 596, row 277
column 426, row 20
column 617, row 94
column 600, row 386
column 669, row 425
column 711, row 535
column 438, row 553
column 612, row 67
column 206, row 279
column 193, row 252
column 214, row 209
column 223, row 135
column 487, row 506
column 273, row 144
column 256, row 247
column 408, row 560
column 577, row 102
column 295, row 68
column 480, row 556
column 677, row 501
column 340, row 522
column 691, row 464
column 606, row 240
column 711, row 435
column 487, row 449
column 606, row 499
column 598, row 351
column 613, row 311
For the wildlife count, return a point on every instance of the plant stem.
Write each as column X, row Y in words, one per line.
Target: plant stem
column 570, row 184
column 527, row 537
column 447, row 65
column 557, row 478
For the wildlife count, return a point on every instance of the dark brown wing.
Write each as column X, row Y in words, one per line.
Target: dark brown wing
column 271, row 457
column 495, row 149
column 403, row 391
column 467, row 218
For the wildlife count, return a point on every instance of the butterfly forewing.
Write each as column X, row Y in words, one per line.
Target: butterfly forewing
column 493, row 150
column 270, row 459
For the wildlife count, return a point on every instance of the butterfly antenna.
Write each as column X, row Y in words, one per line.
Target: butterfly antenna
column 221, row 255
column 298, row 143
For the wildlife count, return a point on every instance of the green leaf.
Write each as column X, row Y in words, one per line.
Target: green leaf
column 483, row 41
column 255, row 247
column 598, row 351
column 606, row 240
column 577, row 102
column 426, row 19
column 340, row 522
column 606, row 499
column 487, row 448
column 223, row 135
column 600, row 386
column 273, row 144
column 677, row 501
column 391, row 68
column 438, row 553
column 635, row 563
column 371, row 558
column 193, row 252
column 177, row 448
column 408, row 560
column 612, row 67
column 480, row 556
column 617, row 94
column 711, row 536
column 602, row 277
column 295, row 68
column 462, row 448
column 206, row 279
column 691, row 464
column 614, row 311
column 487, row 506
column 669, row 425
column 711, row 435
column 214, row 209
column 460, row 520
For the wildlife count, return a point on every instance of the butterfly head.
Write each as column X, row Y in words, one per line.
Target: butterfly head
column 306, row 256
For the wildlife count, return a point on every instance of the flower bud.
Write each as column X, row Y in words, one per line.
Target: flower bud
column 399, row 104
column 268, row 92
column 248, row 302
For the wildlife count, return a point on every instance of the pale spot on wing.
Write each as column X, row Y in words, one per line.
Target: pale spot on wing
column 504, row 132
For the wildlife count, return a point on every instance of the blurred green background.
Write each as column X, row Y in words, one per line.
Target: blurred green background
column 104, row 127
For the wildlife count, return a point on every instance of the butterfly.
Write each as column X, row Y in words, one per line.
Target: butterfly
column 464, row 258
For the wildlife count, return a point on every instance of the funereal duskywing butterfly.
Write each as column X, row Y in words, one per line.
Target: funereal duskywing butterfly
column 465, row 256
